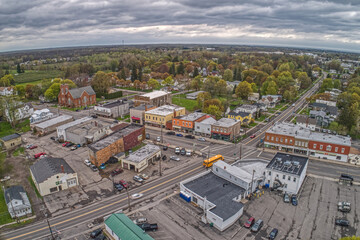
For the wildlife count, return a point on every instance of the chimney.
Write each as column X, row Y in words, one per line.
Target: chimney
column 62, row 168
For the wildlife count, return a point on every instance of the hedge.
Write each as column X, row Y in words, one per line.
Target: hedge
column 109, row 95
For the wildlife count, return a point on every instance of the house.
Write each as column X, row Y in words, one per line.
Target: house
column 156, row 98
column 50, row 125
column 137, row 114
column 23, row 111
column 286, row 172
column 225, row 129
column 10, row 142
column 193, row 95
column 6, row 91
column 41, row 115
column 51, row 175
column 254, row 97
column 243, row 117
column 120, row 141
column 233, row 84
column 17, row 201
column 203, row 127
column 328, row 103
column 306, row 122
column 61, row 130
column 160, row 116
column 116, row 109
column 76, row 97
column 334, row 93
column 322, row 119
column 270, row 100
column 140, row 159
column 253, row 109
column 119, row 227
column 186, row 123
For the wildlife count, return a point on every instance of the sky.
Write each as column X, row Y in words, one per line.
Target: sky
column 32, row 24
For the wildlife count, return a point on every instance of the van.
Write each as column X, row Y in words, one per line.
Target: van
column 188, row 153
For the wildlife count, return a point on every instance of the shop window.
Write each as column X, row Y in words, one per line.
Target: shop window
column 314, row 145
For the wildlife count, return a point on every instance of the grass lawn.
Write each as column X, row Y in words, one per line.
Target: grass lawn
column 189, row 104
column 305, row 111
column 18, row 151
column 5, row 215
column 34, row 187
column 262, row 118
column 124, row 118
column 31, row 76
column 135, row 148
column 253, row 124
column 6, row 129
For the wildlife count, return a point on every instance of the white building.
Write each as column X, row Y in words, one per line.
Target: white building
column 140, row 159
column 286, row 172
column 61, row 130
column 306, row 122
column 193, row 95
column 329, row 103
column 41, row 115
column 17, row 201
column 247, row 108
column 203, row 128
column 6, row 91
column 114, row 109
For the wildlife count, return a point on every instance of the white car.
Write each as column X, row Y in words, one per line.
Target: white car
column 136, row 195
column 29, row 146
column 158, row 139
column 202, row 139
column 87, row 162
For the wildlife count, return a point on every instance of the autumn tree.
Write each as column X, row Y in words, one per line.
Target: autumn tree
column 137, row 84
column 201, row 98
column 213, row 110
column 243, row 90
column 168, row 81
column 152, row 83
column 228, row 75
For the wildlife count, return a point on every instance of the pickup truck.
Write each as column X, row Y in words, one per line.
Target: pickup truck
column 148, row 226
column 344, row 206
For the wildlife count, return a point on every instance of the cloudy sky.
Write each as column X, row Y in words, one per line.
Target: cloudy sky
column 331, row 24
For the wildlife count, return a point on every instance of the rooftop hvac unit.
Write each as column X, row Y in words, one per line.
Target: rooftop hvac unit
column 296, row 163
column 278, row 159
column 287, row 163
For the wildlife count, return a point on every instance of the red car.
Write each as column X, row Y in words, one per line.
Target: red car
column 39, row 154
column 64, row 144
column 249, row 222
column 253, row 136
column 33, row 147
column 124, row 183
column 116, row 171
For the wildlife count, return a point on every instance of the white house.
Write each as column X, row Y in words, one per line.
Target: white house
column 23, row 111
column 286, row 172
column 40, row 115
column 6, row 91
column 203, row 128
column 17, row 202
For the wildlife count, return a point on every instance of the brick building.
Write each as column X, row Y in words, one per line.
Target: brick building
column 76, row 97
column 225, row 129
column 160, row 116
column 122, row 140
column 187, row 123
column 293, row 138
column 137, row 114
column 156, row 98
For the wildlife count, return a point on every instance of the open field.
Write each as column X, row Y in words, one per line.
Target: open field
column 181, row 101
column 34, row 77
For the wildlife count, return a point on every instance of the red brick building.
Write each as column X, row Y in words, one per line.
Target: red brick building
column 76, row 97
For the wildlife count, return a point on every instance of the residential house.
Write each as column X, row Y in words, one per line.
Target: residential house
column 41, row 115
column 254, row 97
column 322, row 119
column 156, row 98
column 243, row 117
column 270, row 100
column 6, row 91
column 140, row 159
column 286, row 172
column 137, row 114
column 10, row 142
column 225, row 129
column 186, row 123
column 50, row 125
column 334, row 93
column 116, row 109
column 328, row 103
column 306, row 122
column 76, row 97
column 203, row 127
column 23, row 111
column 160, row 116
column 119, row 227
column 122, row 140
column 253, row 109
column 17, row 201
column 193, row 95
column 51, row 175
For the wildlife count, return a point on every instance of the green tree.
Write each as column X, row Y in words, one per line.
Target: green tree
column 350, row 238
column 101, row 82
column 326, row 85
column 243, row 90
column 334, row 126
column 68, row 82
column 284, row 81
column 18, row 68
column 20, row 90
column 168, row 81
column 284, row 67
column 172, row 70
column 304, row 80
column 221, row 87
column 196, row 83
column 201, row 98
column 228, row 75
column 180, row 69
column 153, row 83
column 337, row 83
column 9, row 107
column 254, row 87
column 113, row 65
column 7, row 80
column 349, row 116
column 196, row 72
column 213, row 110
column 209, row 86
column 134, row 75
column 53, row 91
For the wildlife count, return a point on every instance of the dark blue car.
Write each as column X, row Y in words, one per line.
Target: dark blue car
column 294, row 200
column 179, row 135
column 118, row 186
column 273, row 233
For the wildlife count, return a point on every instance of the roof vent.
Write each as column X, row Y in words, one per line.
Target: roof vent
column 295, row 163
column 287, row 163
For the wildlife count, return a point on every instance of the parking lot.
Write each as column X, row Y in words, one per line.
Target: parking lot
column 313, row 218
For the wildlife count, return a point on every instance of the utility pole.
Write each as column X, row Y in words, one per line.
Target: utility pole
column 128, row 197
column 160, row 173
column 47, row 220
column 240, row 150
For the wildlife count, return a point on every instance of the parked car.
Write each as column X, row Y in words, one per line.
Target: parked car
column 148, row 226
column 144, row 176
column 170, row 133
column 344, row 175
column 175, row 158
column 39, row 154
column 138, row 179
column 43, row 156
column 179, row 135
column 158, row 139
column 342, row 222
column 183, row 151
column 257, row 226
column 94, row 168
column 33, row 147
column 188, row 153
column 29, row 146
column 202, row 139
column 94, row 116
column 164, row 157
column 190, row 136
column 73, row 148
column 69, row 144
column 87, row 162
column 273, row 234
column 249, row 222
column 177, row 150
column 140, row 220
column 118, row 186
column 52, row 138
column 147, row 136
column 95, row 233
column 344, row 206
column 253, row 136
column 165, row 148
column 102, row 166
column 116, row 172
column 101, row 237
column 294, row 200
column 286, row 198
column 124, row 183
column 136, row 195
column 64, row 144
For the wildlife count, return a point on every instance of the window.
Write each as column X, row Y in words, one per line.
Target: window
column 272, row 138
column 286, row 140
column 296, row 143
column 216, row 169
column 277, row 175
column 314, row 145
column 294, row 179
column 178, row 122
column 291, row 140
column 277, row 139
column 269, row 173
column 281, row 139
column 328, row 148
column 289, row 178
column 306, row 144
column 321, row 147
column 336, row 149
column 342, row 150
column 284, row 176
column 267, row 137
column 54, row 189
column 285, row 186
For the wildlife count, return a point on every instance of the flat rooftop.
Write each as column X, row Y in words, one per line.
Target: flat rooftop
column 225, row 122
column 143, row 153
column 208, row 120
column 288, row 163
column 53, row 121
column 192, row 116
column 219, row 192
column 113, row 138
column 164, row 110
column 250, row 165
column 142, row 107
column 114, row 104
column 76, row 122
column 155, row 94
column 89, row 127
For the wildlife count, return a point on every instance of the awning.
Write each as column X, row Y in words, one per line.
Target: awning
column 135, row 118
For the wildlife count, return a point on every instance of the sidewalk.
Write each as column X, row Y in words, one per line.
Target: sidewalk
column 20, row 221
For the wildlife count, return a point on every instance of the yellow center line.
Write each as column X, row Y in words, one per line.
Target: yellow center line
column 100, row 208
